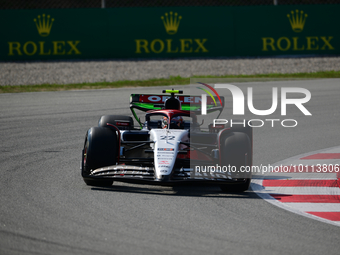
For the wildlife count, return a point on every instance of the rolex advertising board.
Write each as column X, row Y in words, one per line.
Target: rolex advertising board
column 287, row 30
column 173, row 32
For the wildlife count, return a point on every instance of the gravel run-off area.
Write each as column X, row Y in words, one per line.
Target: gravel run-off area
column 89, row 71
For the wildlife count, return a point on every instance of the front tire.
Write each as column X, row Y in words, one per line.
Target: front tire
column 100, row 150
column 236, row 150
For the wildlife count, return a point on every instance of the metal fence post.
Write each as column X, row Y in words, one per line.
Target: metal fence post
column 275, row 2
column 103, row 3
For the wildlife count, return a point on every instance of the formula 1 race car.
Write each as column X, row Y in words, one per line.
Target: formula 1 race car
column 169, row 147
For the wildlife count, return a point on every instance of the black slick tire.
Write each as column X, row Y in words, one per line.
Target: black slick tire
column 100, row 150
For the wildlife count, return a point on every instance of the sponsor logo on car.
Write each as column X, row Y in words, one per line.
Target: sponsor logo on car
column 163, row 162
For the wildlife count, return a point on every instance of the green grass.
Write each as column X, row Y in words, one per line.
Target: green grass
column 177, row 80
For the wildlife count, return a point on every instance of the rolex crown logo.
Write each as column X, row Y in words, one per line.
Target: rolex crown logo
column 44, row 24
column 171, row 22
column 297, row 20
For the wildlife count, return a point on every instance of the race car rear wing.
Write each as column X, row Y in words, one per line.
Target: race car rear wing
column 146, row 102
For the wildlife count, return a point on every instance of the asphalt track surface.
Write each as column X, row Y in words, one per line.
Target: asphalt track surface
column 46, row 208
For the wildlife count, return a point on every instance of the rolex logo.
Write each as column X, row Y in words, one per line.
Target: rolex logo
column 171, row 22
column 297, row 20
column 44, row 24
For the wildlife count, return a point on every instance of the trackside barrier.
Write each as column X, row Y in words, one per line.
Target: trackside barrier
column 169, row 32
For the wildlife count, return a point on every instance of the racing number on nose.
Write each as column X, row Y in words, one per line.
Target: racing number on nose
column 167, row 137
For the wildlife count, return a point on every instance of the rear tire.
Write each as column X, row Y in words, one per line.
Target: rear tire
column 100, row 150
column 236, row 151
column 243, row 129
column 121, row 121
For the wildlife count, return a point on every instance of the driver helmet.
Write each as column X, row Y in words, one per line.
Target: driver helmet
column 177, row 122
column 165, row 122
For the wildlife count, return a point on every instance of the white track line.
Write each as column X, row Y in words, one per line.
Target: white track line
column 315, row 207
column 301, row 190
